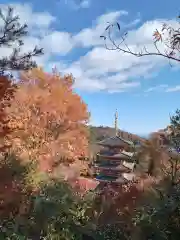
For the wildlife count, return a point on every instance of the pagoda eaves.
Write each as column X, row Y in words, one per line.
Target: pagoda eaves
column 116, row 141
column 116, row 156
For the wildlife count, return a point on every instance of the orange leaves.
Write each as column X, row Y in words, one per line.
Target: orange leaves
column 157, row 36
column 50, row 119
column 7, row 89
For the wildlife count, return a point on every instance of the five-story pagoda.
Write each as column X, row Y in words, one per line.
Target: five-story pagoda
column 116, row 161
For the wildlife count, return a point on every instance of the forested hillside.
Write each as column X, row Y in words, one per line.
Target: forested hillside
column 99, row 133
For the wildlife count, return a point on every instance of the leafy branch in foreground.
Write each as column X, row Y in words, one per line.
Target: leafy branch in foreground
column 168, row 38
column 11, row 34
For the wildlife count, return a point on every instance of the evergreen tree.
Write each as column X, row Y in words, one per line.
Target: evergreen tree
column 11, row 35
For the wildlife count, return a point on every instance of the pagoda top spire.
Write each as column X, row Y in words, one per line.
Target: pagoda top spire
column 55, row 71
column 117, row 140
column 116, row 123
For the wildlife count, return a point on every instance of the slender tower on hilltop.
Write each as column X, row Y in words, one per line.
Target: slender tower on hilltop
column 116, row 123
column 55, row 71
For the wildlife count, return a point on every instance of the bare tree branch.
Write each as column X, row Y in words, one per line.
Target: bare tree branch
column 168, row 37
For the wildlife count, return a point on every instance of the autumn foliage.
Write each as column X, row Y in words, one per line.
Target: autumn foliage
column 49, row 120
column 7, row 89
column 42, row 122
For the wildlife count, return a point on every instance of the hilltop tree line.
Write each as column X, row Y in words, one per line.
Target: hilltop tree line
column 44, row 127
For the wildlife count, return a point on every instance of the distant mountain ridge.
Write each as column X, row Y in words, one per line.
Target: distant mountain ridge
column 100, row 133
column 144, row 135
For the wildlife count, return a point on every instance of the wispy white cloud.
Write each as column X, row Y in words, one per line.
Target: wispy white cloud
column 85, row 3
column 113, row 68
column 163, row 88
column 98, row 69
column 90, row 36
column 173, row 89
column 57, row 42
column 133, row 23
column 41, row 34
column 77, row 4
column 28, row 15
column 157, row 88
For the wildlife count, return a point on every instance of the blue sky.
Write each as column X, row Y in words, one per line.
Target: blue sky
column 144, row 91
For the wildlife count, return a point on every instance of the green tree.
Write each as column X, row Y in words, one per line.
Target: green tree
column 12, row 34
column 49, row 209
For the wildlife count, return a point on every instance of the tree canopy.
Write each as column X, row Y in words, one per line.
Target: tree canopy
column 49, row 119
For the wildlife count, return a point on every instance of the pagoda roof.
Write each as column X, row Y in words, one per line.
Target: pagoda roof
column 123, row 167
column 108, row 179
column 126, row 177
column 115, row 141
column 117, row 156
column 129, row 154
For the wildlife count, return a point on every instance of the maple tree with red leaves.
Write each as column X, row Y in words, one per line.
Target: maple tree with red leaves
column 49, row 119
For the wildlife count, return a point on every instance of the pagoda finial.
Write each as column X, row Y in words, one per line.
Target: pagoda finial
column 55, row 71
column 116, row 122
